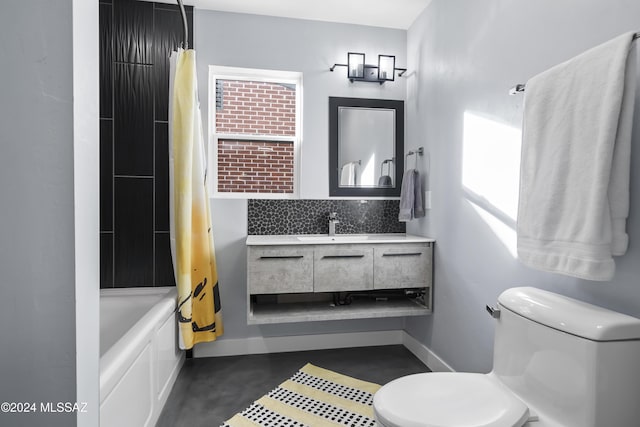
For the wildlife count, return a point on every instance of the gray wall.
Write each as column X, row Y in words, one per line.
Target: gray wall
column 299, row 45
column 37, row 306
column 292, row 45
column 464, row 56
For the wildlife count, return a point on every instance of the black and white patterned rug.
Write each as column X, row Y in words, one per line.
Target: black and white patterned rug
column 313, row 397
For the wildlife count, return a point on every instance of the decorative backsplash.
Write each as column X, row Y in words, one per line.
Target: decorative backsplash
column 269, row 217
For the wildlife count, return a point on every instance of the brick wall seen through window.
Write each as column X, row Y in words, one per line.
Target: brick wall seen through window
column 255, row 124
column 255, row 166
column 256, row 108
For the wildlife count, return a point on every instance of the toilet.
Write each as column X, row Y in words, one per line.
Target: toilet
column 557, row 362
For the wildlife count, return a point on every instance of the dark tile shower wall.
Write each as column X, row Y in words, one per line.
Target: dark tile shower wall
column 311, row 216
column 136, row 39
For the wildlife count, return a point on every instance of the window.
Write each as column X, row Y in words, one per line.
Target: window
column 254, row 129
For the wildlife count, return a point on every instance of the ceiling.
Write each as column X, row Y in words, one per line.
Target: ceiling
column 379, row 13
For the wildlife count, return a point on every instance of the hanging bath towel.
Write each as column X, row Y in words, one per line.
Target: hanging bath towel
column 192, row 250
column 576, row 150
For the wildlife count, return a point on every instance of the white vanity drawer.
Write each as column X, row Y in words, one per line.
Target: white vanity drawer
column 402, row 266
column 279, row 269
column 339, row 268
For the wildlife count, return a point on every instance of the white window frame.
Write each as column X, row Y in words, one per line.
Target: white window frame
column 217, row 72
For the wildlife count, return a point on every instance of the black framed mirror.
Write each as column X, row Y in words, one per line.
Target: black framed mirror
column 366, row 147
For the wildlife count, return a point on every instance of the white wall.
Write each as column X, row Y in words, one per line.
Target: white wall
column 86, row 208
column 241, row 40
column 465, row 56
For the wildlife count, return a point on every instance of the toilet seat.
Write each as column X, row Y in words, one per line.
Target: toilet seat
column 448, row 399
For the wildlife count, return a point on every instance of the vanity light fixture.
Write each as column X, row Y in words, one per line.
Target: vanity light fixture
column 386, row 67
column 355, row 65
column 359, row 70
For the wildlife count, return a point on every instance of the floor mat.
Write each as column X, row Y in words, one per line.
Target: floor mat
column 313, row 397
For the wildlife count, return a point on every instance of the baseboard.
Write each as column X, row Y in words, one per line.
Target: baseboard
column 422, row 352
column 260, row 345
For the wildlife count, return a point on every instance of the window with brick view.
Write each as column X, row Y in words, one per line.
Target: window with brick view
column 255, row 135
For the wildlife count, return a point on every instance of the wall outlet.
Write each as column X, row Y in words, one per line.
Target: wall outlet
column 427, row 199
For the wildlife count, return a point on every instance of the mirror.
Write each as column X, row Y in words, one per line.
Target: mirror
column 366, row 147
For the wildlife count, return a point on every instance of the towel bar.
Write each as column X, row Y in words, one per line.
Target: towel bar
column 520, row 86
column 357, row 162
column 417, row 152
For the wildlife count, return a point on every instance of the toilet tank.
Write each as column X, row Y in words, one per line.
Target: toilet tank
column 574, row 364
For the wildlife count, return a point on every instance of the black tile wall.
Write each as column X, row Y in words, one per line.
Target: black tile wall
column 163, row 264
column 269, row 217
column 106, row 60
column 133, row 120
column 133, row 32
column 136, row 39
column 106, row 260
column 133, row 232
column 162, row 177
column 106, row 175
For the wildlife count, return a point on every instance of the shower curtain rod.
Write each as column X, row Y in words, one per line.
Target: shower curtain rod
column 185, row 27
column 521, row 86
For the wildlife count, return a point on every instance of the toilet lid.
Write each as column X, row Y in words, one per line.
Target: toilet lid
column 446, row 400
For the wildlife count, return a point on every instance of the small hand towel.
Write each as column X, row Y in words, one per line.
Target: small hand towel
column 348, row 175
column 411, row 196
column 574, row 177
column 418, row 208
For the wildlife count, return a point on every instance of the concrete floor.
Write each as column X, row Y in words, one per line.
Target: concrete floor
column 209, row 391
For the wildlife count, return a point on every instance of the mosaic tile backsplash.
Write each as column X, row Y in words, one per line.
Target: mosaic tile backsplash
column 269, row 217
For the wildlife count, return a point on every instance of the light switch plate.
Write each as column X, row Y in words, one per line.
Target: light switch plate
column 427, row 199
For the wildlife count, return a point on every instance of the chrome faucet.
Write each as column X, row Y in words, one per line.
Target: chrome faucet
column 333, row 220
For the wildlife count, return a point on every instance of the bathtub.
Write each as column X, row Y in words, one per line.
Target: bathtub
column 139, row 355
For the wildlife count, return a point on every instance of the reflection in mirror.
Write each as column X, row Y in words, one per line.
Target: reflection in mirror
column 365, row 146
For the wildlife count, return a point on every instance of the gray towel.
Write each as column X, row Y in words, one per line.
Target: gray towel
column 418, row 209
column 384, row 181
column 411, row 196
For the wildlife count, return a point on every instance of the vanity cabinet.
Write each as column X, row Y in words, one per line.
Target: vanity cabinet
column 341, row 268
column 291, row 280
column 402, row 266
column 280, row 269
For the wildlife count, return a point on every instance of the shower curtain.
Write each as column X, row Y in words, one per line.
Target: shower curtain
column 192, row 249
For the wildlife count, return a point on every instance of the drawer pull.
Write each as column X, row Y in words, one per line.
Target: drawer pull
column 282, row 256
column 343, row 256
column 403, row 254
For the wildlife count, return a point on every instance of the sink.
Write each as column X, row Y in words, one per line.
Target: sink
column 337, row 238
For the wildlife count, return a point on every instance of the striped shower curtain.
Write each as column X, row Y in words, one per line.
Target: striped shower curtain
column 192, row 250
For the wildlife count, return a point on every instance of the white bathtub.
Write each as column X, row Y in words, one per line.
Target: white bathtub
column 139, row 356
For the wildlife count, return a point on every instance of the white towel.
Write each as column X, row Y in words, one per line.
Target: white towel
column 574, row 177
column 348, row 175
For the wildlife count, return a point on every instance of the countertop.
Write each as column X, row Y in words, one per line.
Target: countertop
column 324, row 239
